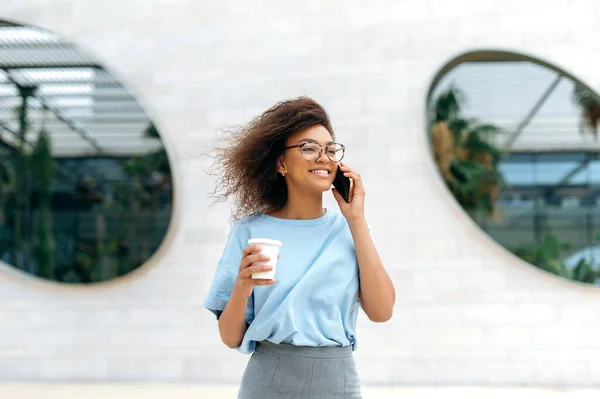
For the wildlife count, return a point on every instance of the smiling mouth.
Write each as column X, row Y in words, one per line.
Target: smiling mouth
column 320, row 172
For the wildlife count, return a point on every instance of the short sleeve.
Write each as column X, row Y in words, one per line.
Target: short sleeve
column 225, row 276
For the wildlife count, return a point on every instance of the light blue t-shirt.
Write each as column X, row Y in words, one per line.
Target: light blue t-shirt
column 315, row 299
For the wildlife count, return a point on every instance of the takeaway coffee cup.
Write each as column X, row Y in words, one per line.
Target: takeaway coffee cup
column 268, row 248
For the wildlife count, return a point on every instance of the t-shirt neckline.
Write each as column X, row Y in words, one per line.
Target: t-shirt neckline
column 300, row 222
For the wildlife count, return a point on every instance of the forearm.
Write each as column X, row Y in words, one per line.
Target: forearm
column 232, row 323
column 377, row 293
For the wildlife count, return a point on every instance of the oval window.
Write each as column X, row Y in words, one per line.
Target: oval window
column 516, row 142
column 85, row 182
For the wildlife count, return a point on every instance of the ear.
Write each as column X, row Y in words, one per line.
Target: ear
column 281, row 169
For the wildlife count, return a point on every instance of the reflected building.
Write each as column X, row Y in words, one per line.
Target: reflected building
column 542, row 134
column 85, row 187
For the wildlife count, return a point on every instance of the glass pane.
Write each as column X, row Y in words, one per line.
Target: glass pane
column 85, row 182
column 516, row 143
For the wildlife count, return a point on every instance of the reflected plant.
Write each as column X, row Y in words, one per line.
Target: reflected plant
column 54, row 215
column 589, row 104
column 42, row 167
column 147, row 181
column 547, row 256
column 465, row 155
column 21, row 177
column 585, row 272
column 7, row 182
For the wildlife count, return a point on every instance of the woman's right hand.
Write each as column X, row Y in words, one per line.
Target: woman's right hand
column 244, row 282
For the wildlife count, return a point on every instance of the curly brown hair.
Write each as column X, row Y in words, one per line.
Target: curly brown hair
column 246, row 167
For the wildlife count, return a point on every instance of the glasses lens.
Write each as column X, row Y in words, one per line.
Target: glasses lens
column 335, row 152
column 310, row 151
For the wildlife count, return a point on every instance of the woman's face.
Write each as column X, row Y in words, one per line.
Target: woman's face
column 302, row 172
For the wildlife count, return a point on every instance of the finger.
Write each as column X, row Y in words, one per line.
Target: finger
column 352, row 175
column 358, row 183
column 345, row 167
column 249, row 271
column 263, row 281
column 249, row 250
column 250, row 259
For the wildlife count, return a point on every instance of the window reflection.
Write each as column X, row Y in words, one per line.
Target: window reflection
column 85, row 182
column 516, row 143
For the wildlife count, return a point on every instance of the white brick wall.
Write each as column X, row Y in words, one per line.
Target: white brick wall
column 467, row 312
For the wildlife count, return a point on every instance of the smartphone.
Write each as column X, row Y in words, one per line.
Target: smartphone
column 343, row 185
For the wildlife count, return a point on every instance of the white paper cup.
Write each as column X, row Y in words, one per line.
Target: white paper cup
column 268, row 248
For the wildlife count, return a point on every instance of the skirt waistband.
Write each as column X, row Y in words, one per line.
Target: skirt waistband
column 307, row 351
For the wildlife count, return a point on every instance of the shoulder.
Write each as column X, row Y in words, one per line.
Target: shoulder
column 335, row 215
column 336, row 218
column 248, row 222
column 243, row 227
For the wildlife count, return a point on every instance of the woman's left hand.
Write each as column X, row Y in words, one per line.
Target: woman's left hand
column 355, row 209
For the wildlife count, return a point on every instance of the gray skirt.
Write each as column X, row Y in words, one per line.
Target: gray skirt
column 300, row 372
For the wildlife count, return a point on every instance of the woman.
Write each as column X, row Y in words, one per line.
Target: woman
column 300, row 328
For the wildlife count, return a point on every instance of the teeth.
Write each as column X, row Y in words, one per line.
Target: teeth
column 320, row 172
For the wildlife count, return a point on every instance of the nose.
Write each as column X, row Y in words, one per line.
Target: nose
column 322, row 154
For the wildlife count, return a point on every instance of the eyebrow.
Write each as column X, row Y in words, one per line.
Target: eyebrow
column 314, row 141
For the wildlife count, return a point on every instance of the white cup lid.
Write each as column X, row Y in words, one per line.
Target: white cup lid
column 267, row 241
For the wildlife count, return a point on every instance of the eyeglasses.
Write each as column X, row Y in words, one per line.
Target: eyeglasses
column 312, row 151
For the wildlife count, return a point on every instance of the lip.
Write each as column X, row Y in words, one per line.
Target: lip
column 318, row 175
column 322, row 168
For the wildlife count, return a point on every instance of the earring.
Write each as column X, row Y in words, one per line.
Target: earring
column 282, row 173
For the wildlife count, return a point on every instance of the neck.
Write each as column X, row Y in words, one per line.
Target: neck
column 301, row 206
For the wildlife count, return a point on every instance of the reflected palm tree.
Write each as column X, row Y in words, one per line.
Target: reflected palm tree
column 589, row 103
column 465, row 155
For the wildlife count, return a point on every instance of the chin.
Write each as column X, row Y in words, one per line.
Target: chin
column 318, row 188
column 325, row 187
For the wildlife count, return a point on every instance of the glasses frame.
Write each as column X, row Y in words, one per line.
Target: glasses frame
column 321, row 148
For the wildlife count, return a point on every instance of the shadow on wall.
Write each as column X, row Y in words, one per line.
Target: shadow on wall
column 85, row 182
column 516, row 141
